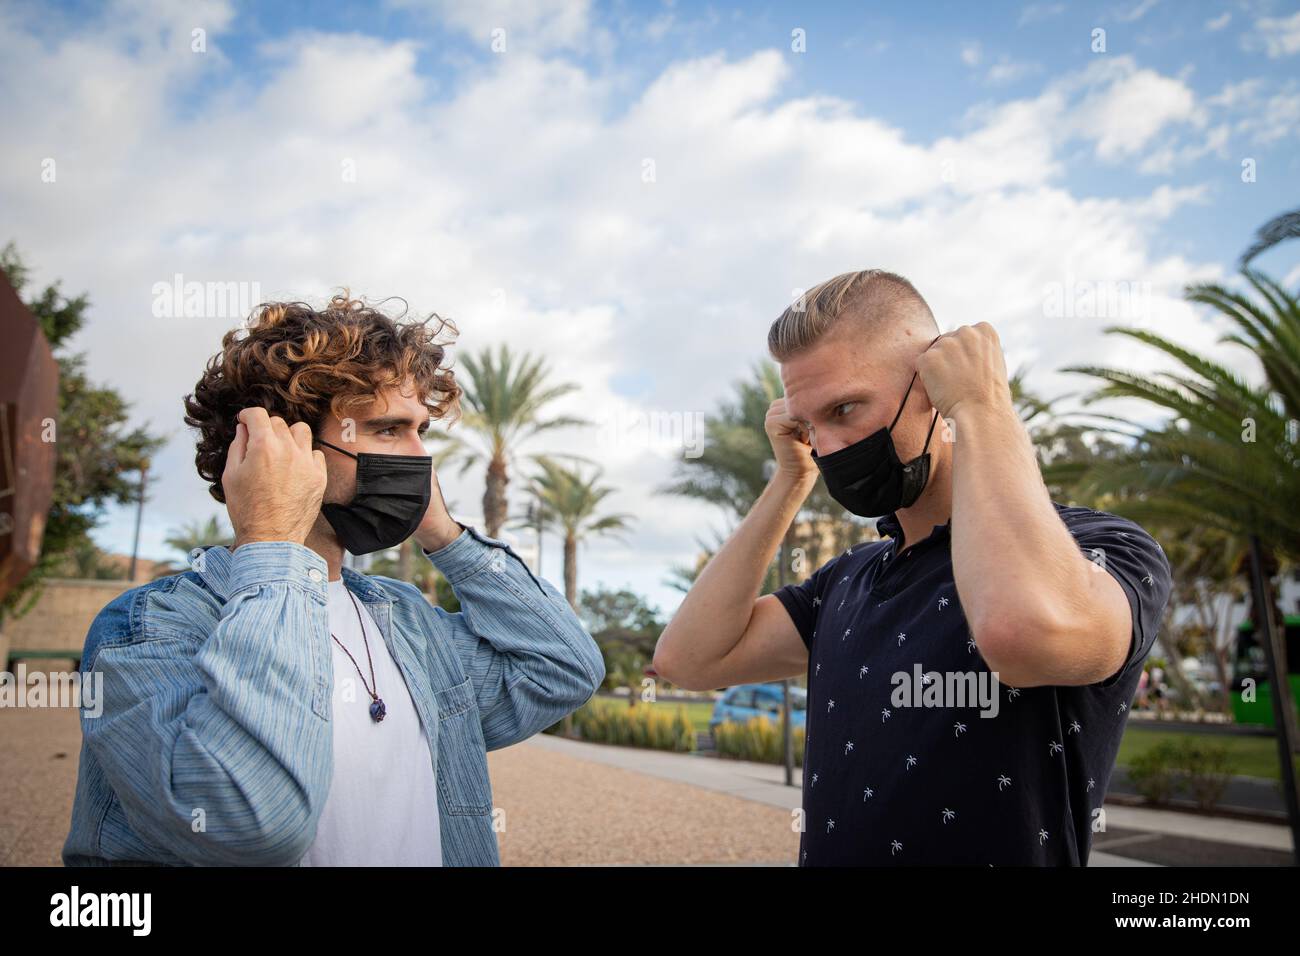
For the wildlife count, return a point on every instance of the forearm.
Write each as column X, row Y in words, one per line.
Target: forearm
column 716, row 611
column 524, row 648
column 1017, row 568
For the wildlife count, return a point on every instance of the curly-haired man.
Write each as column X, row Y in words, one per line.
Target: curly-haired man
column 272, row 707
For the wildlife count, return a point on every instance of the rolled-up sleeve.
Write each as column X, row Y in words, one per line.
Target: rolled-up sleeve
column 526, row 652
column 1133, row 558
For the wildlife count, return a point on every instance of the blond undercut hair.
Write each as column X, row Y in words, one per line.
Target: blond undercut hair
column 876, row 297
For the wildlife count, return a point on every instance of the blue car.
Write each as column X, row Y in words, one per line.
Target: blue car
column 744, row 701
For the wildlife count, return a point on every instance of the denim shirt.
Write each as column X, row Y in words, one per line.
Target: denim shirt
column 214, row 744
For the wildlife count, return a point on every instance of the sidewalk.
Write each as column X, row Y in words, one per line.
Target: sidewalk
column 1135, row 836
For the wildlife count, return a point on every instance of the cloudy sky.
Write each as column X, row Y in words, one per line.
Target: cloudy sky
column 637, row 190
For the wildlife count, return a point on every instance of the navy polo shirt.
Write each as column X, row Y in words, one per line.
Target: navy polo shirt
column 915, row 753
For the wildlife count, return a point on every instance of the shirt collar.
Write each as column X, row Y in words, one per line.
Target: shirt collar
column 889, row 525
column 215, row 568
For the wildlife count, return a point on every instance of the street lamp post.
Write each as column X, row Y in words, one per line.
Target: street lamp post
column 787, row 738
column 139, row 511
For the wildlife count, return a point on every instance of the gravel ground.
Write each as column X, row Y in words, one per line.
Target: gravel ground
column 38, row 778
column 558, row 810
column 563, row 811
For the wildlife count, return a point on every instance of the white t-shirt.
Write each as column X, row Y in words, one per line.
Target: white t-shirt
column 382, row 808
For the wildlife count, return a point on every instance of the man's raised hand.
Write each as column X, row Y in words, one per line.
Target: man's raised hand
column 274, row 480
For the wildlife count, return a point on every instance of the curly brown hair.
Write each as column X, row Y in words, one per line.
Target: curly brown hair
column 302, row 364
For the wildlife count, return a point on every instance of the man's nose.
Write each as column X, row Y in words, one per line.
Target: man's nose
column 413, row 446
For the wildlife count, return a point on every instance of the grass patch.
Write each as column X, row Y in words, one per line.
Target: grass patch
column 1247, row 756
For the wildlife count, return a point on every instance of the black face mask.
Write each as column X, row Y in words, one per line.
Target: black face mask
column 868, row 478
column 391, row 498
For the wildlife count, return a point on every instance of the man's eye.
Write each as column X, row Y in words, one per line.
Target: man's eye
column 843, row 408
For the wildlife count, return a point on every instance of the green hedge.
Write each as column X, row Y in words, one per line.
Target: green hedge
column 642, row 725
column 756, row 739
column 1199, row 769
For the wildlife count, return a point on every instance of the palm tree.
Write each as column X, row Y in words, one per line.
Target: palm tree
column 1226, row 458
column 503, row 399
column 1276, row 230
column 191, row 535
column 197, row 535
column 570, row 501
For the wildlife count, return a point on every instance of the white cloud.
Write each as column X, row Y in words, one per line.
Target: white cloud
column 1215, row 24
column 1038, row 12
column 1280, row 36
column 1006, row 70
column 534, row 25
column 1125, row 107
column 1136, row 12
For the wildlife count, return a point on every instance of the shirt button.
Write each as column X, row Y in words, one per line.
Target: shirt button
column 314, row 574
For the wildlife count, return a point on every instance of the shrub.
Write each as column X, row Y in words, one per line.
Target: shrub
column 1198, row 768
column 642, row 725
column 756, row 739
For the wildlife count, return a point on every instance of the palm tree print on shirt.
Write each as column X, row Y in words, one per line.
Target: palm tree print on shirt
column 1003, row 782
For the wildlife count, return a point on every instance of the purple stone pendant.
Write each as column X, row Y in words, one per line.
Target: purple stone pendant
column 378, row 710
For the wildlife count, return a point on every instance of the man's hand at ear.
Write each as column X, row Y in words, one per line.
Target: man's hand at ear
column 965, row 366
column 438, row 529
column 273, row 481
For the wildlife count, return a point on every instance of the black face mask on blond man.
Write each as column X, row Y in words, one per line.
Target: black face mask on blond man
column 869, row 479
